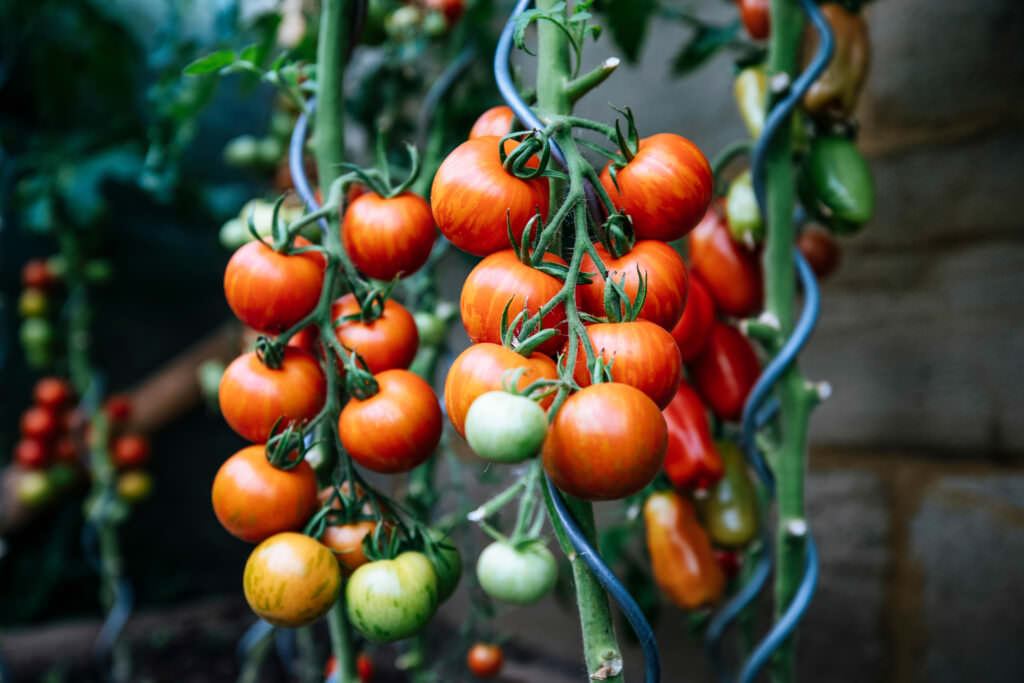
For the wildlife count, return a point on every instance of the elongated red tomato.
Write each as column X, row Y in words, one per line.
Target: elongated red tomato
column 757, row 18
column 269, row 291
column 397, row 428
column 732, row 274
column 254, row 500
column 472, row 194
column 481, row 368
column 500, row 278
column 495, row 121
column 682, row 560
column 725, row 371
column 667, row 281
column 691, row 461
column 694, row 326
column 388, row 237
column 642, row 354
column 253, row 396
column 386, row 343
column 606, row 442
column 665, row 188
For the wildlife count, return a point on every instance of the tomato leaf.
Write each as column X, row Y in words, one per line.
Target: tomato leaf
column 628, row 22
column 705, row 42
column 210, row 63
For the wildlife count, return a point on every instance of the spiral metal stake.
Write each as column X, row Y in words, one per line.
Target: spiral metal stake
column 759, row 409
column 602, row 572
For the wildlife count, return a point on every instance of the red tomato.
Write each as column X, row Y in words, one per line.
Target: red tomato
column 38, row 422
column 666, row 187
column 494, row 121
column 451, row 9
column 130, row 450
column 31, row 454
column 821, row 251
column 692, row 330
column 606, row 442
column 37, row 274
column 473, row 195
column 253, row 396
column 386, row 343
column 725, row 371
column 52, row 392
column 254, row 500
column 729, row 561
column 732, row 274
column 269, row 291
column 386, row 238
column 397, row 428
column 64, row 450
column 757, row 18
column 691, row 460
column 481, row 368
column 485, row 660
column 666, row 281
column 118, row 408
column 305, row 338
column 499, row 278
column 643, row 355
column 364, row 667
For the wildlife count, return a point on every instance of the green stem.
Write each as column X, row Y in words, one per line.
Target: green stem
column 328, row 130
column 341, row 642
column 254, row 659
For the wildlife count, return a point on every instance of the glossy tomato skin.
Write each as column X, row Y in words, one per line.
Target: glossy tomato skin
column 682, row 560
column 387, row 343
column 389, row 600
column 472, row 193
column 725, row 372
column 52, row 392
column 757, row 18
column 254, row 500
column 504, row 427
column 253, row 396
column 667, row 281
column 291, row 580
column 642, row 354
column 388, row 237
column 517, row 576
column 606, row 442
column 129, row 450
column 269, row 291
column 31, row 454
column 691, row 461
column 481, row 368
column 821, row 251
column 346, row 542
column 38, row 422
column 500, row 278
column 397, row 428
column 694, row 326
column 731, row 272
column 496, row 121
column 665, row 188
column 485, row 660
column 730, row 511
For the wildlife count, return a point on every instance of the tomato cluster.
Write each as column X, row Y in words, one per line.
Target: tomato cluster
column 39, row 280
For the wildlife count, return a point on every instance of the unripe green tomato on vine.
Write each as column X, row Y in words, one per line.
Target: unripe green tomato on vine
column 504, row 427
column 32, row 302
column 241, row 151
column 389, row 600
column 269, row 151
column 836, row 184
column 742, row 213
column 61, row 476
column 34, row 488
column 36, row 334
column 134, row 486
column 518, row 576
column 431, row 328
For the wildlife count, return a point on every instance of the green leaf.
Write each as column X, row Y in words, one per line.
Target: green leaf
column 210, row 63
column 251, row 54
column 706, row 41
column 628, row 22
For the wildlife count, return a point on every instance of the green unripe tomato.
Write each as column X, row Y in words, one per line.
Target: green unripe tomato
column 241, row 151
column 389, row 600
column 134, row 486
column 57, row 266
column 837, row 183
column 32, row 303
column 34, row 488
column 447, row 564
column 434, row 25
column 517, row 576
column 503, row 427
column 36, row 334
column 401, row 24
column 209, row 374
column 269, row 151
column 281, row 124
column 730, row 510
column 234, row 233
column 431, row 328
column 61, row 476
column 742, row 212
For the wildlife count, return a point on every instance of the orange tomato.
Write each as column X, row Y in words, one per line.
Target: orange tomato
column 386, row 343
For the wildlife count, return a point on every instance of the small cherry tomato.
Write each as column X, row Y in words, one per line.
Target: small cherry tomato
column 725, row 371
column 38, row 423
column 519, row 576
column 731, row 272
column 397, row 428
column 134, row 486
column 52, row 392
column 32, row 303
column 387, row 343
column 129, row 450
column 388, row 237
column 37, row 274
column 364, row 667
column 757, row 18
column 495, row 121
column 451, row 9
column 821, row 251
column 692, row 331
column 485, row 660
column 64, row 450
column 33, row 488
column 118, row 408
column 31, row 454
column 291, row 580
column 504, row 427
column 389, row 600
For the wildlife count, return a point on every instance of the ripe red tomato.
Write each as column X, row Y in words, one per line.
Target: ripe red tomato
column 64, row 450
column 253, row 396
column 255, row 500
column 481, row 368
column 499, row 278
column 485, row 660
column 821, row 251
column 31, row 454
column 118, row 408
column 397, row 428
column 52, row 392
column 473, row 196
column 364, row 667
column 494, row 121
column 451, row 9
column 130, row 450
column 269, row 291
column 643, row 355
column 606, row 442
column 725, row 371
column 666, row 187
column 694, row 326
column 731, row 272
column 757, row 18
column 386, row 343
column 38, row 422
column 667, row 281
column 37, row 274
column 691, row 461
column 386, row 238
